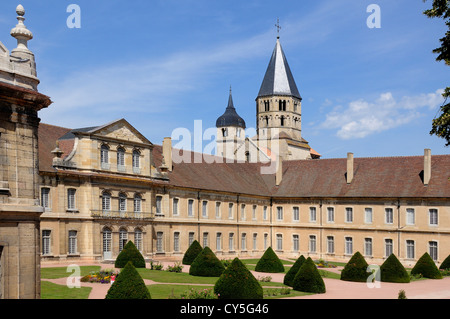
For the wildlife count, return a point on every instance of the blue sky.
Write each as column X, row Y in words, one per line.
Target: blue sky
column 164, row 64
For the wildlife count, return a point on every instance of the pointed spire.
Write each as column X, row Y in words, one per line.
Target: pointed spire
column 230, row 101
column 278, row 79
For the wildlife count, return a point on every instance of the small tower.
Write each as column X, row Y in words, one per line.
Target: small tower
column 230, row 134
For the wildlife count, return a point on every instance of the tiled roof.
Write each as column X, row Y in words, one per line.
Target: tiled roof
column 47, row 136
column 388, row 177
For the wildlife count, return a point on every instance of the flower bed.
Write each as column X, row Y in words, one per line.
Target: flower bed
column 102, row 276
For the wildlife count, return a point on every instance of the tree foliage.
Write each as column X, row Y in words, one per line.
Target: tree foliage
column 290, row 275
column 308, row 278
column 355, row 269
column 130, row 253
column 191, row 253
column 441, row 123
column 128, row 285
column 393, row 271
column 426, row 267
column 269, row 262
column 206, row 264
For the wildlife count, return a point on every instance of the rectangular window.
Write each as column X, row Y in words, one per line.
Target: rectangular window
column 46, row 236
column 45, row 197
column 368, row 246
column 219, row 241
column 190, row 207
column 312, row 244
column 330, row 244
column 266, row 241
column 205, row 209
column 190, row 238
column 433, row 249
column 433, row 215
column 159, row 242
column 244, row 241
column 296, row 214
column 243, row 212
column 265, row 212
column 231, row 242
column 389, row 215
column 230, row 210
column 158, row 205
column 205, row 239
column 175, row 206
column 349, row 215
column 368, row 216
column 410, row 249
column 218, row 210
column 388, row 247
column 410, row 216
column 138, row 239
column 279, row 242
column 279, row 213
column 348, row 245
column 330, row 215
column 255, row 241
column 72, row 242
column 312, row 214
column 254, row 212
column 176, row 241
column 295, row 243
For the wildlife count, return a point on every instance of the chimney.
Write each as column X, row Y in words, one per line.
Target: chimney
column 426, row 166
column 349, row 167
column 279, row 172
column 167, row 152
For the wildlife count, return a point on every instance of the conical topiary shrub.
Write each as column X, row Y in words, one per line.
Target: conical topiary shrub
column 290, row 275
column 206, row 264
column 355, row 269
column 446, row 263
column 237, row 282
column 194, row 249
column 426, row 267
column 269, row 262
column 393, row 271
column 308, row 278
column 130, row 253
column 128, row 285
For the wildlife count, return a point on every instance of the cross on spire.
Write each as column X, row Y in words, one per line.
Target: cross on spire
column 278, row 28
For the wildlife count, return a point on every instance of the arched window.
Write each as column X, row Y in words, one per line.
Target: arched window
column 282, row 105
column 224, row 132
column 282, row 120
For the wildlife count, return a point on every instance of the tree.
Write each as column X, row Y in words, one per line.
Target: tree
column 446, row 263
column 393, row 271
column 355, row 269
column 426, row 267
column 128, row 285
column 237, row 282
column 290, row 275
column 130, row 253
column 206, row 264
column 189, row 256
column 308, row 278
column 441, row 124
column 269, row 262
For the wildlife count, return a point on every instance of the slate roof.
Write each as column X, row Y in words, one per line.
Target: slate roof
column 377, row 177
column 230, row 117
column 278, row 79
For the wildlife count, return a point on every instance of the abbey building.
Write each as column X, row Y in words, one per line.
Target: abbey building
column 79, row 194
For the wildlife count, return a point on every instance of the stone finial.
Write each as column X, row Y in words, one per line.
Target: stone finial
column 20, row 32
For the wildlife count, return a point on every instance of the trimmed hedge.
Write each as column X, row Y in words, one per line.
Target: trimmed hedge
column 392, row 270
column 130, row 253
column 128, row 285
column 290, row 275
column 269, row 262
column 446, row 263
column 426, row 267
column 189, row 256
column 237, row 282
column 355, row 269
column 206, row 264
column 308, row 278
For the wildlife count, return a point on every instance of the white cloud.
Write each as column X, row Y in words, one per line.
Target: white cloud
column 362, row 118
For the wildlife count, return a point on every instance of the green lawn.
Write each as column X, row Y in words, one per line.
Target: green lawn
column 50, row 290
column 61, row 272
